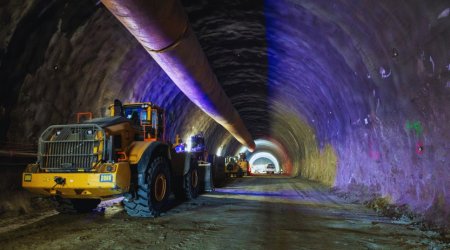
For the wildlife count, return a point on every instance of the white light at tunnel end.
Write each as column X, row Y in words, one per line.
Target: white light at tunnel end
column 265, row 155
column 243, row 149
column 189, row 143
column 219, row 151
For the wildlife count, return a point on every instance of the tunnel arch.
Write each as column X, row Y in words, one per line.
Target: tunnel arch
column 273, row 150
column 319, row 79
column 265, row 155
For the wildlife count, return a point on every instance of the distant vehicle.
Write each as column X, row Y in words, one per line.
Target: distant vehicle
column 270, row 169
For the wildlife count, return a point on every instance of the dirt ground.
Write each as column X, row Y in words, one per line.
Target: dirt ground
column 249, row 213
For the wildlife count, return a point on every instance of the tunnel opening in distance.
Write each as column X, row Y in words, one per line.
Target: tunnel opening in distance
column 273, row 151
column 260, row 161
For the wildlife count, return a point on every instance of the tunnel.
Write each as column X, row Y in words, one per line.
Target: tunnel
column 349, row 99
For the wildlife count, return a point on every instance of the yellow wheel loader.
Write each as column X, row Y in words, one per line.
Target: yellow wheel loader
column 122, row 155
column 237, row 167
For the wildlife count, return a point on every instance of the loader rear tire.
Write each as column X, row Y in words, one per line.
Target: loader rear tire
column 192, row 182
column 187, row 186
column 72, row 206
column 240, row 173
column 151, row 199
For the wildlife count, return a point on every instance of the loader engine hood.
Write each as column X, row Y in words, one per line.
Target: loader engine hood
column 107, row 121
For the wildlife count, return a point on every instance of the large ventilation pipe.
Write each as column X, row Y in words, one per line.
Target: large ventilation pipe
column 162, row 27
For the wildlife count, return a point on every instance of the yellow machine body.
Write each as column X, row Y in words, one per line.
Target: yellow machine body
column 100, row 178
column 235, row 166
column 243, row 164
column 80, row 185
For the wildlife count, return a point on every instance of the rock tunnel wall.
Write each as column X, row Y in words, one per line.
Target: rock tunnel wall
column 356, row 92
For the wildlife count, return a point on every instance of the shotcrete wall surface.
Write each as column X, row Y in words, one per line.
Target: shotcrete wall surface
column 356, row 92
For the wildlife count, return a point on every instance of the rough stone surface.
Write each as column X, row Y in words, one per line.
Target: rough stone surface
column 250, row 213
column 356, row 92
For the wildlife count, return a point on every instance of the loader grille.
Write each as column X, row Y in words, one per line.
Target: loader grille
column 71, row 147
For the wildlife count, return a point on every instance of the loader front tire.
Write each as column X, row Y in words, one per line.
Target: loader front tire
column 151, row 198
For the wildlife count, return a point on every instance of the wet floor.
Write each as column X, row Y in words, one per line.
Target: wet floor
column 250, row 213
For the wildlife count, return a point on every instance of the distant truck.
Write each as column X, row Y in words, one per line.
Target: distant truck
column 125, row 154
column 265, row 169
column 270, row 168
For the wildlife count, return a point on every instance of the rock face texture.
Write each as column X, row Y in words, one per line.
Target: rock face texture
column 356, row 93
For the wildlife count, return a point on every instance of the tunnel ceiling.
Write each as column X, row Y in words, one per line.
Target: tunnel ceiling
column 356, row 92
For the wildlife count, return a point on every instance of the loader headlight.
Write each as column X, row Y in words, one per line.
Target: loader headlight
column 27, row 177
column 107, row 168
column 106, row 178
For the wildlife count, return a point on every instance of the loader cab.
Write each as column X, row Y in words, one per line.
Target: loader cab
column 146, row 117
